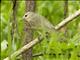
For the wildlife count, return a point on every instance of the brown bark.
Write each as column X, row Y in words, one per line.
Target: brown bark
column 65, row 9
column 65, row 14
column 14, row 20
column 30, row 6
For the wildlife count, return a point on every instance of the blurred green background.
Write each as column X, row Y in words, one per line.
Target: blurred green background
column 62, row 47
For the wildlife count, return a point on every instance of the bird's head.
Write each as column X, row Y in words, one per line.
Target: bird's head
column 27, row 16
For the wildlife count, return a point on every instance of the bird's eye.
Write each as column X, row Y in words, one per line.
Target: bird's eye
column 25, row 15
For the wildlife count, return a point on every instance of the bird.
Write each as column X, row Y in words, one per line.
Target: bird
column 37, row 21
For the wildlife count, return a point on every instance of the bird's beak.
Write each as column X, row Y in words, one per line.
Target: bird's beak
column 23, row 18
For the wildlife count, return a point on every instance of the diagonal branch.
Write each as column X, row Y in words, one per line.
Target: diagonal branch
column 24, row 48
column 67, row 20
column 40, row 38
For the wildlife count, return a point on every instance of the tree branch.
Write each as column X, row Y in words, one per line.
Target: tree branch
column 25, row 48
column 40, row 38
column 67, row 20
column 30, row 6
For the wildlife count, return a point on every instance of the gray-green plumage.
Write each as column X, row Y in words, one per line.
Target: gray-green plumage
column 38, row 22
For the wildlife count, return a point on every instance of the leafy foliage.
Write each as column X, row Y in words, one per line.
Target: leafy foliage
column 57, row 46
